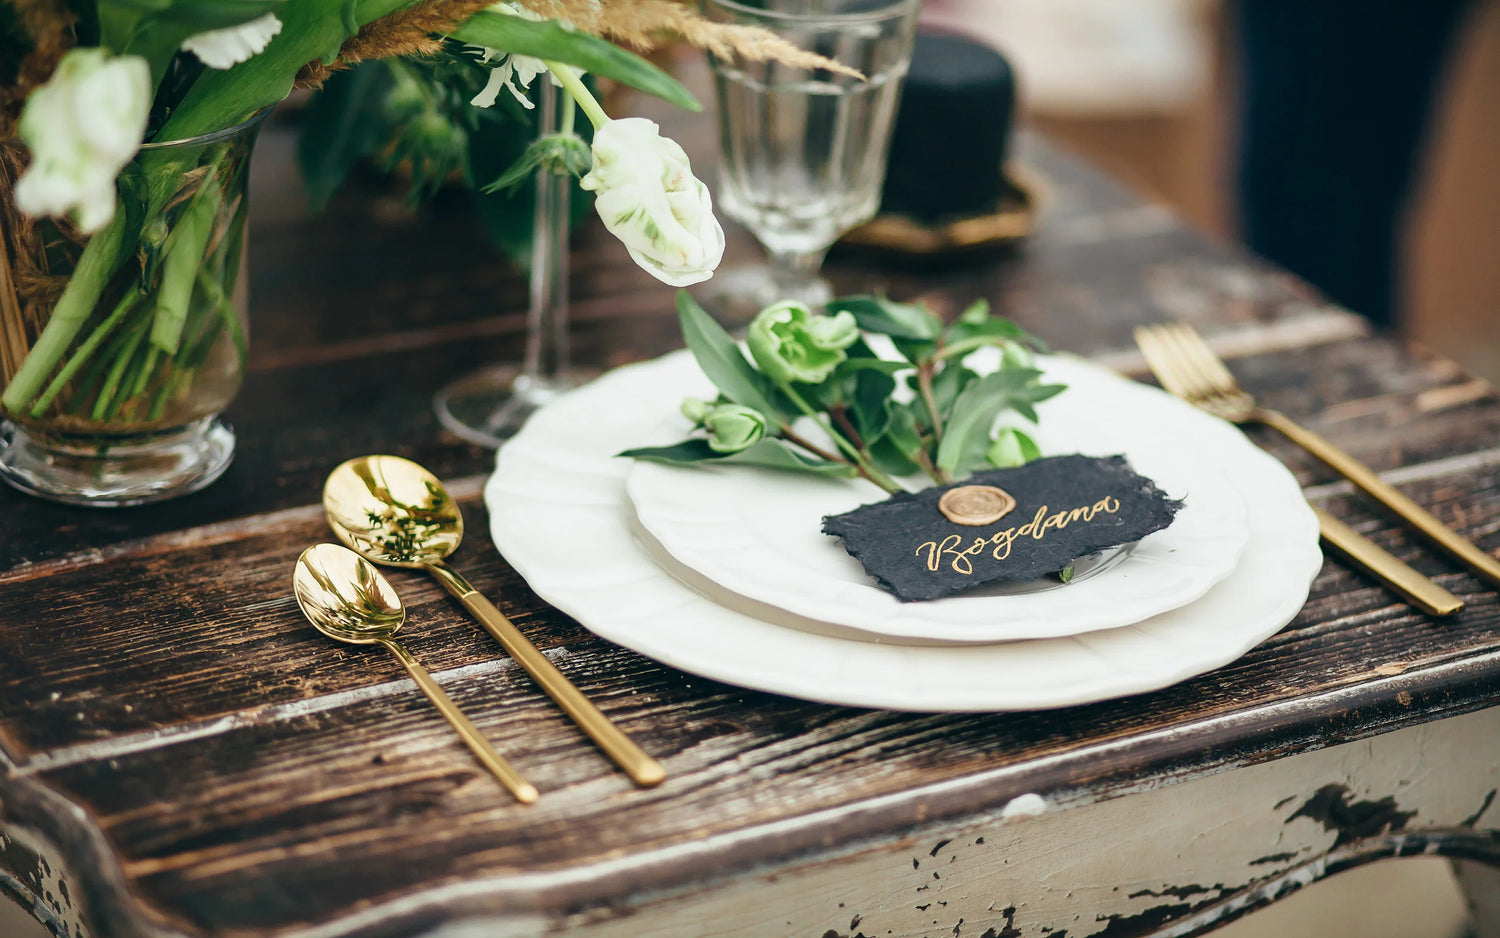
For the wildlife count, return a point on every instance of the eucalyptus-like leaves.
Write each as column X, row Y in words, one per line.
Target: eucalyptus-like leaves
column 813, row 395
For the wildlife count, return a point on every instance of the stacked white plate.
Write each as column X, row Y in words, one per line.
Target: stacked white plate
column 724, row 572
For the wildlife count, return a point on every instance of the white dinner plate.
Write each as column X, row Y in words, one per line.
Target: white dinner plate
column 560, row 516
column 757, row 532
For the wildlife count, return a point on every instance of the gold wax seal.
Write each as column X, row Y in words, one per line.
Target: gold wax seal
column 975, row 505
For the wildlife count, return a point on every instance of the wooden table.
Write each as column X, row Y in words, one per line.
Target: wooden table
column 180, row 754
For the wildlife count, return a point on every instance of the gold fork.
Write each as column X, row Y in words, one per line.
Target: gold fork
column 1188, row 368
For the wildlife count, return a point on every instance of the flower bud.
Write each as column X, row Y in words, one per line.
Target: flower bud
column 647, row 196
column 790, row 344
column 695, row 409
column 83, row 126
column 732, row 427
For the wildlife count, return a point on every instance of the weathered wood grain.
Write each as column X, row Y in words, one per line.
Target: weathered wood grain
column 209, row 764
column 282, row 772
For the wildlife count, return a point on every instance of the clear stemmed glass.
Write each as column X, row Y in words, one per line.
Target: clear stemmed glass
column 488, row 406
column 802, row 152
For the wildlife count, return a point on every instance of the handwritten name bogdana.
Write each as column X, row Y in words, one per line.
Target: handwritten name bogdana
column 1003, row 541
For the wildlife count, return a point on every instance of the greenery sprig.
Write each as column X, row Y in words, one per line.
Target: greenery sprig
column 806, row 369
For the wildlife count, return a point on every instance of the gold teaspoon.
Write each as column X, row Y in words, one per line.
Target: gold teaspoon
column 348, row 600
column 394, row 512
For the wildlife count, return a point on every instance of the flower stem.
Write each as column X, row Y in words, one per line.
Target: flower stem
column 809, row 445
column 92, row 273
column 569, row 113
column 86, row 349
column 840, row 416
column 924, row 383
column 856, row 456
column 579, row 92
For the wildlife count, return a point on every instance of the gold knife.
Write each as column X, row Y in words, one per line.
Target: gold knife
column 1370, row 557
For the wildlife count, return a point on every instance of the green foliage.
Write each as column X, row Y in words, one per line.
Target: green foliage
column 847, row 417
column 559, row 153
column 415, row 115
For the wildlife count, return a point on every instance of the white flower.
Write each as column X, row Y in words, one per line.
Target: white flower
column 647, row 196
column 227, row 47
column 511, row 71
column 83, row 126
column 515, row 73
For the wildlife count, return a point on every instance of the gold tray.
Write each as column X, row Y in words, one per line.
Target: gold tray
column 1011, row 220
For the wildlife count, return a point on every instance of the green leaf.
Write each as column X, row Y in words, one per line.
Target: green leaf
column 975, row 327
column 897, row 320
column 851, row 366
column 342, row 126
column 771, row 454
column 891, row 459
column 551, row 42
column 199, row 15
column 723, row 362
column 950, row 382
column 869, row 406
column 976, row 409
column 896, row 452
column 1035, row 394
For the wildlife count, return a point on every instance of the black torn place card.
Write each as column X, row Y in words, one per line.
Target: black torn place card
column 1007, row 524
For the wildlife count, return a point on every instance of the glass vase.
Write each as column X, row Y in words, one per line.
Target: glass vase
column 488, row 406
column 118, row 350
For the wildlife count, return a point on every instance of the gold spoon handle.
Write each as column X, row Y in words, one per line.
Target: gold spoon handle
column 524, row 791
column 641, row 768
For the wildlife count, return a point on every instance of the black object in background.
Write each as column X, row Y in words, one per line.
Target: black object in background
column 951, row 132
column 1337, row 97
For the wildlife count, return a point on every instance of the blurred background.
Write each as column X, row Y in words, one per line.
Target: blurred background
column 1154, row 91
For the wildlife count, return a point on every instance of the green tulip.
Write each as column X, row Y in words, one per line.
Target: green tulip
column 695, row 409
column 732, row 427
column 790, row 344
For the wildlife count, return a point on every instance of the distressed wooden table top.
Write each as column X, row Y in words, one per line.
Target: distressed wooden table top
column 207, row 762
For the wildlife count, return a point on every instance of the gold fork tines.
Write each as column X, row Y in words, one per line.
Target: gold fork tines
column 1188, row 368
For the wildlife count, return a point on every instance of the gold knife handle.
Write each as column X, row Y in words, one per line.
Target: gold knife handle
column 524, row 791
column 1362, row 476
column 642, row 769
column 1366, row 554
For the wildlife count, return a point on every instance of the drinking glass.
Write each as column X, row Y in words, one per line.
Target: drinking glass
column 803, row 151
column 488, row 406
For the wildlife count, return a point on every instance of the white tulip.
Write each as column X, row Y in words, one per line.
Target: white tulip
column 227, row 47
column 82, row 127
column 647, row 196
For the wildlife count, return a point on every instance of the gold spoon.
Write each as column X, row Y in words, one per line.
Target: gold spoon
column 348, row 600
column 394, row 512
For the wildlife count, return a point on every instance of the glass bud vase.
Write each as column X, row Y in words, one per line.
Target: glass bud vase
column 119, row 349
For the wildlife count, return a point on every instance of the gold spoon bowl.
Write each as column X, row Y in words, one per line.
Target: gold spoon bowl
column 349, row 601
column 396, row 513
